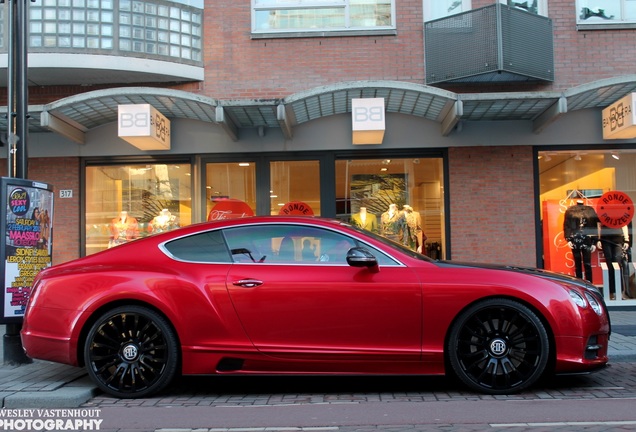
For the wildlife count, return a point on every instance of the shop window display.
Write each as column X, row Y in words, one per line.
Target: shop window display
column 586, row 217
column 400, row 199
column 230, row 190
column 127, row 202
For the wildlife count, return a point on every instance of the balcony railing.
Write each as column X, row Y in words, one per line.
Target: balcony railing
column 495, row 43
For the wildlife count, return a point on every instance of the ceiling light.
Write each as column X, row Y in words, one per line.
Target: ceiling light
column 577, row 157
column 616, row 156
column 244, row 164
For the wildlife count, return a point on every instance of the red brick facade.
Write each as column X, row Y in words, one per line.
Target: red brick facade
column 491, row 205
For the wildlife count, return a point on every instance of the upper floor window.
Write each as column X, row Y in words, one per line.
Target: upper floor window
column 608, row 12
column 275, row 16
column 434, row 9
column 538, row 7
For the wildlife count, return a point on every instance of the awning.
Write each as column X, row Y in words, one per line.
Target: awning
column 75, row 115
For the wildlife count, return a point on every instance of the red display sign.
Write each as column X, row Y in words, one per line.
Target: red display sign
column 615, row 209
column 229, row 208
column 296, row 208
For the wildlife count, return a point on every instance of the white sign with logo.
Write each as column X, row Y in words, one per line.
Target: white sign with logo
column 143, row 126
column 368, row 120
column 618, row 119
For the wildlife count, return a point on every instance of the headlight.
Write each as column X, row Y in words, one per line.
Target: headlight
column 578, row 299
column 595, row 305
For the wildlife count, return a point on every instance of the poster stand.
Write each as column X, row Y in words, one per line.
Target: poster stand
column 26, row 248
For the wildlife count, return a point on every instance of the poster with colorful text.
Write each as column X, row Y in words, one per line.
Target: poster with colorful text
column 27, row 246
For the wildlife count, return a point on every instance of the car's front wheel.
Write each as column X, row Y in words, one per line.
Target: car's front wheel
column 498, row 346
column 131, row 351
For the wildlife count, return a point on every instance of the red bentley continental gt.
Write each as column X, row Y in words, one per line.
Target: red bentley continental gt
column 293, row 295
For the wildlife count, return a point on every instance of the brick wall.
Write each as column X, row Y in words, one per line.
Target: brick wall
column 62, row 173
column 492, row 205
column 273, row 68
column 238, row 67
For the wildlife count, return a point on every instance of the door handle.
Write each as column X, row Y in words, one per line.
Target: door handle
column 247, row 283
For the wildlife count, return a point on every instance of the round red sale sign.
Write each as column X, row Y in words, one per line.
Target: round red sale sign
column 615, row 209
column 228, row 208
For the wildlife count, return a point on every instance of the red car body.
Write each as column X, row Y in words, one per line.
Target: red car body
column 376, row 309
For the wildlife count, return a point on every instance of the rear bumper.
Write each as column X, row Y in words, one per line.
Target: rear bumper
column 47, row 335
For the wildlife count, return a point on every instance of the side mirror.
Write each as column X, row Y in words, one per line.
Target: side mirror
column 361, row 257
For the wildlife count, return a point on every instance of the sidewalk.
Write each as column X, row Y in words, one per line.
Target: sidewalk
column 44, row 384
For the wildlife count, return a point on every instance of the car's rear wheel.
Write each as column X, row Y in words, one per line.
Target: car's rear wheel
column 498, row 346
column 131, row 351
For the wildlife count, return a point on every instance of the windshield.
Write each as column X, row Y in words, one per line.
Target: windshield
column 391, row 243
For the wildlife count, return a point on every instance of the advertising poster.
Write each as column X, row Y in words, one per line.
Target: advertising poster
column 27, row 231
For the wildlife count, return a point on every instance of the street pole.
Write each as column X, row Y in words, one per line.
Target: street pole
column 17, row 134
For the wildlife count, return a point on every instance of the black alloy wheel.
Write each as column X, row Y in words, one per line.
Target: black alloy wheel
column 131, row 352
column 498, row 346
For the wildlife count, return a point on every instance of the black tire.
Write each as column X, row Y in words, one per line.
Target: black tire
column 498, row 346
column 131, row 352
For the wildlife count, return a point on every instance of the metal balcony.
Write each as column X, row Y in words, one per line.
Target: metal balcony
column 493, row 44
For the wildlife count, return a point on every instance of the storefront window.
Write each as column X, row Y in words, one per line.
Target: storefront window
column 127, row 202
column 401, row 199
column 586, row 210
column 295, row 188
column 230, row 190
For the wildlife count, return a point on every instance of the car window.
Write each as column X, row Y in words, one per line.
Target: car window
column 208, row 246
column 292, row 244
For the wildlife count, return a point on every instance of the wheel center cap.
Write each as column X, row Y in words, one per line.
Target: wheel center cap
column 130, row 352
column 498, row 347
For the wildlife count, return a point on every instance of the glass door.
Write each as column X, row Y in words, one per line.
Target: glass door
column 295, row 187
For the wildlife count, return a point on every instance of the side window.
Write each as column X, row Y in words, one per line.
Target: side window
column 292, row 244
column 287, row 244
column 206, row 247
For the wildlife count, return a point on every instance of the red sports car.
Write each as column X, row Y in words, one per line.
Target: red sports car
column 293, row 295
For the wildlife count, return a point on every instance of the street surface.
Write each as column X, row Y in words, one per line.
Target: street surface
column 604, row 401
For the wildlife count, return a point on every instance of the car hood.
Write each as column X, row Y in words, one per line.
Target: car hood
column 545, row 274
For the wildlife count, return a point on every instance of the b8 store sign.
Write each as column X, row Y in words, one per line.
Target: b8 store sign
column 618, row 119
column 139, row 121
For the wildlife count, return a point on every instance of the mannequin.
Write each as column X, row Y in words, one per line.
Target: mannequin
column 365, row 220
column 580, row 228
column 614, row 242
column 123, row 229
column 414, row 237
column 393, row 224
column 164, row 221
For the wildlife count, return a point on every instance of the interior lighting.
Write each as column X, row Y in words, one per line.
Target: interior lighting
column 577, row 157
column 616, row 156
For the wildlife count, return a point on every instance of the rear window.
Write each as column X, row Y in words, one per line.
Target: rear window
column 206, row 247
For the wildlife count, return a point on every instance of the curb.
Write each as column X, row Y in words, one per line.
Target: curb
column 70, row 395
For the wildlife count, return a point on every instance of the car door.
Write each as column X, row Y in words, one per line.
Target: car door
column 296, row 296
